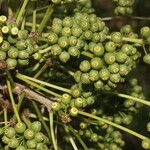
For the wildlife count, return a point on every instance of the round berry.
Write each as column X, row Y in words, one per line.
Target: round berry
column 109, row 58
column 146, row 58
column 116, row 37
column 64, row 56
column 85, row 66
column 104, row 74
column 74, row 111
column 10, row 132
column 36, row 126
column 28, row 134
column 20, row 127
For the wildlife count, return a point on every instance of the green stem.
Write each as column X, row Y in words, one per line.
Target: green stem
column 87, row 54
column 46, row 18
column 113, row 124
column 43, row 83
column 145, row 102
column 38, row 86
column 34, row 18
column 73, row 143
column 77, row 136
column 44, row 67
column 41, row 119
column 52, row 130
column 22, row 10
column 5, row 117
column 21, row 97
column 133, row 40
column 45, row 50
column 31, row 115
column 13, row 101
column 26, row 120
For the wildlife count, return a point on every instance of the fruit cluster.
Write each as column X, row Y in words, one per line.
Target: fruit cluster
column 124, row 6
column 16, row 47
column 20, row 137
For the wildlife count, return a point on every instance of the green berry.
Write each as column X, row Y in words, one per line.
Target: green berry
column 31, row 143
column 121, row 57
column 87, row 35
column 93, row 75
column 78, row 102
column 13, row 52
column 23, row 34
column 13, row 143
column 87, row 133
column 98, row 85
column 2, row 55
column 63, row 42
column 145, row 31
column 85, row 66
column 148, row 127
column 66, row 31
column 90, row 100
column 76, row 31
column 23, row 62
column 64, row 56
column 98, row 50
column 56, row 106
column 66, row 98
column 11, row 39
column 116, row 37
column 72, row 41
column 28, row 134
column 115, row 78
column 21, row 45
column 146, row 58
column 23, row 54
column 10, row 132
column 74, row 111
column 5, row 139
column 67, row 22
column 104, row 74
column 96, row 63
column 73, row 51
column 56, row 28
column 36, row 126
column 94, row 137
column 75, row 92
column 52, row 38
column 146, row 143
column 123, row 71
column 20, row 127
column 20, row 147
column 5, row 46
column 85, row 79
column 110, row 46
column 39, row 137
column 114, row 68
column 109, row 58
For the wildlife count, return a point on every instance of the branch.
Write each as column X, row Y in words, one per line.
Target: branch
column 31, row 95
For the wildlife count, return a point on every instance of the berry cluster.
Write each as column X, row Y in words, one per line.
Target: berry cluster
column 20, row 137
column 124, row 6
column 15, row 45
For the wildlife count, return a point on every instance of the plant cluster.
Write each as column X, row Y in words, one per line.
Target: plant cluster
column 67, row 79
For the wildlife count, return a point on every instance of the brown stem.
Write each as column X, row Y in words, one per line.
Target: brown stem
column 31, row 95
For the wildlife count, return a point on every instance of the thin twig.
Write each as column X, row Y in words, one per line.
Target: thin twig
column 31, row 95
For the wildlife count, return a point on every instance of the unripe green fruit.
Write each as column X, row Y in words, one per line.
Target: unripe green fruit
column 36, row 126
column 20, row 127
column 11, row 63
column 2, row 55
column 23, row 54
column 56, row 106
column 13, row 52
column 85, row 66
column 146, row 144
column 10, row 132
column 73, row 112
column 31, row 143
column 146, row 58
column 28, row 134
column 13, row 143
column 64, row 56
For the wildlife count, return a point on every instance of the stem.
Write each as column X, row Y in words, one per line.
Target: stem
column 113, row 124
column 45, row 50
column 41, row 119
column 21, row 97
column 5, row 117
column 145, row 102
column 87, row 54
column 34, row 18
column 38, row 86
column 52, row 130
column 22, row 77
column 41, row 70
column 22, row 10
column 46, row 18
column 13, row 101
column 137, row 41
column 77, row 136
column 73, row 143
